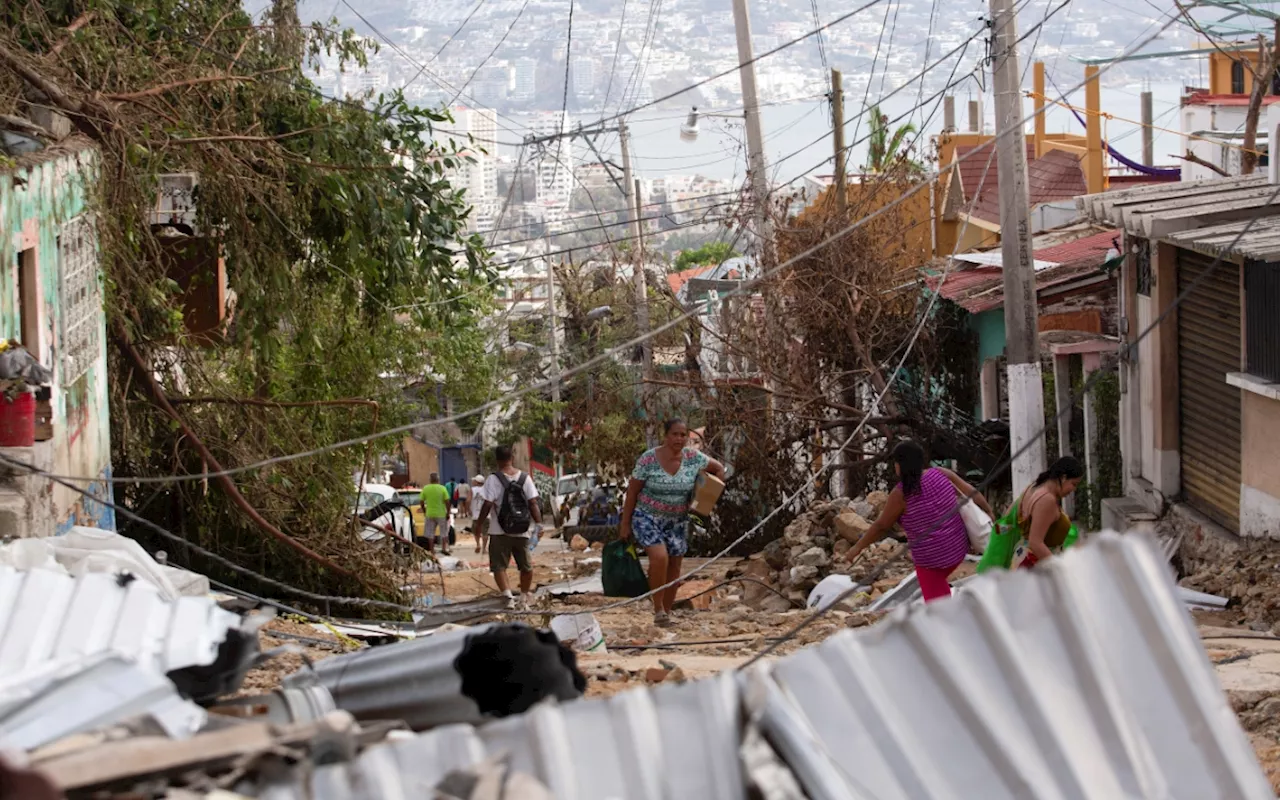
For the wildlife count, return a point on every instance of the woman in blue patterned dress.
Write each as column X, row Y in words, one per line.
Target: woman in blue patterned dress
column 656, row 511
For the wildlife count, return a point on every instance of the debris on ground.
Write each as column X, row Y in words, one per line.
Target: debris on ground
column 812, row 548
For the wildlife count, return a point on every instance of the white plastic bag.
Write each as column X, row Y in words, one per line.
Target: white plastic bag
column 828, row 589
column 977, row 524
column 580, row 631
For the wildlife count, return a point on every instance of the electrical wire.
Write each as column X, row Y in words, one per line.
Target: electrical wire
column 480, row 66
column 436, row 56
column 751, row 284
column 601, row 358
column 617, row 50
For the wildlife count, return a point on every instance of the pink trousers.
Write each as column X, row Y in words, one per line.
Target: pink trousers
column 933, row 582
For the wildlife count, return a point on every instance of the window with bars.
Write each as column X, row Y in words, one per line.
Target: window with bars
column 80, row 297
column 1261, row 323
column 1142, row 264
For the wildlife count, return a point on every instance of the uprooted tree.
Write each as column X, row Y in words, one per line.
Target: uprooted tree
column 345, row 252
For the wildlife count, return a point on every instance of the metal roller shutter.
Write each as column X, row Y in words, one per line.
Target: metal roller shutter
column 1209, row 407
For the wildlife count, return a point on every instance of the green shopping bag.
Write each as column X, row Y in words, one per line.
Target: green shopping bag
column 1007, row 542
column 621, row 572
column 1004, row 540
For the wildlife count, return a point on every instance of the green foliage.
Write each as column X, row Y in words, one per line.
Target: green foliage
column 710, row 253
column 1108, row 459
column 345, row 248
column 885, row 147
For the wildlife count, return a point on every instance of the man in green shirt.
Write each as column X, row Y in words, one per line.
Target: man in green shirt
column 435, row 514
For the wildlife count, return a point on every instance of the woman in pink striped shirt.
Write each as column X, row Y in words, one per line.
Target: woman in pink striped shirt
column 925, row 503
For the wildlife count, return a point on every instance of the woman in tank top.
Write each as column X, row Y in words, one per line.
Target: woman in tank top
column 926, row 504
column 1040, row 514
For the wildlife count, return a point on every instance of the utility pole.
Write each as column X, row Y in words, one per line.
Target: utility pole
column 1148, row 134
column 1022, row 346
column 635, row 223
column 642, row 322
column 755, row 139
column 837, row 127
column 555, row 357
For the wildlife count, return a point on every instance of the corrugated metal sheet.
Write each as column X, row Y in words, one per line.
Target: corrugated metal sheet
column 1082, row 679
column 667, row 743
column 413, row 681
column 1259, row 241
column 58, row 699
column 49, row 617
column 1209, row 407
column 1262, row 323
column 1163, row 210
column 433, row 680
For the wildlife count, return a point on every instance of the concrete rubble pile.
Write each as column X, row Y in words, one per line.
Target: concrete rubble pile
column 811, row 548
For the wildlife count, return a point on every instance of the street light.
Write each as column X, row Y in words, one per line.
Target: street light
column 689, row 130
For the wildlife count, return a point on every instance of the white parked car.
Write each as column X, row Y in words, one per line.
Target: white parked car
column 578, row 487
column 379, row 503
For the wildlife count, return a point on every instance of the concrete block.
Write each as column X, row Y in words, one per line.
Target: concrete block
column 15, row 515
column 1125, row 513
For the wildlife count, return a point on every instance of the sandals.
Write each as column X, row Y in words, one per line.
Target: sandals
column 662, row 619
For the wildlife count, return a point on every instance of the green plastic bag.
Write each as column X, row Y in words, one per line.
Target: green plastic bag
column 1003, row 541
column 1006, row 540
column 621, row 572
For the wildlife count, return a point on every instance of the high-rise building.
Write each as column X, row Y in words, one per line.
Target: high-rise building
column 525, row 78
column 554, row 160
column 582, row 73
column 474, row 131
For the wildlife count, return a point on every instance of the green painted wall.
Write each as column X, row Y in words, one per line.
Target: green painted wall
column 989, row 326
column 39, row 196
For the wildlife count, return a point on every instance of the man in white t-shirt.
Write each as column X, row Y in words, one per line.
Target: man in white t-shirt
column 473, row 524
column 504, row 545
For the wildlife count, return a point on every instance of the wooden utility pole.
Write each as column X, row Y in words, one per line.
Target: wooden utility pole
column 1022, row 346
column 642, row 322
column 1148, row 133
column 837, row 128
column 755, row 138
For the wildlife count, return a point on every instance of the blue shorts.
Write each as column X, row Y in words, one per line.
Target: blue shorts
column 649, row 530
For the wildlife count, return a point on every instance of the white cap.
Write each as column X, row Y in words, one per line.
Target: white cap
column 478, row 479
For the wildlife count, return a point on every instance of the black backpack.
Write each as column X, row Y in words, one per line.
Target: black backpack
column 513, row 512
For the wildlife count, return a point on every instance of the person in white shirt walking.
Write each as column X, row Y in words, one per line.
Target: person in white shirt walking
column 511, row 509
column 477, row 503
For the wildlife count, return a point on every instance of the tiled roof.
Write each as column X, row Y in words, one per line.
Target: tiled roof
column 1093, row 247
column 1206, row 99
column 677, row 279
column 978, row 289
column 1056, row 176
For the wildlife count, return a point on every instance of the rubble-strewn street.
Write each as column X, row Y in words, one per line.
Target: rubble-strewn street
column 728, row 622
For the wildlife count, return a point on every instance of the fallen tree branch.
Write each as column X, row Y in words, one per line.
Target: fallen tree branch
column 168, row 87
column 228, row 486
column 243, row 137
column 76, row 24
column 1195, row 159
column 26, row 125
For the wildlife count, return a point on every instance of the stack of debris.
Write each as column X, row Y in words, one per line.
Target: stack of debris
column 813, row 546
column 1105, row 696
